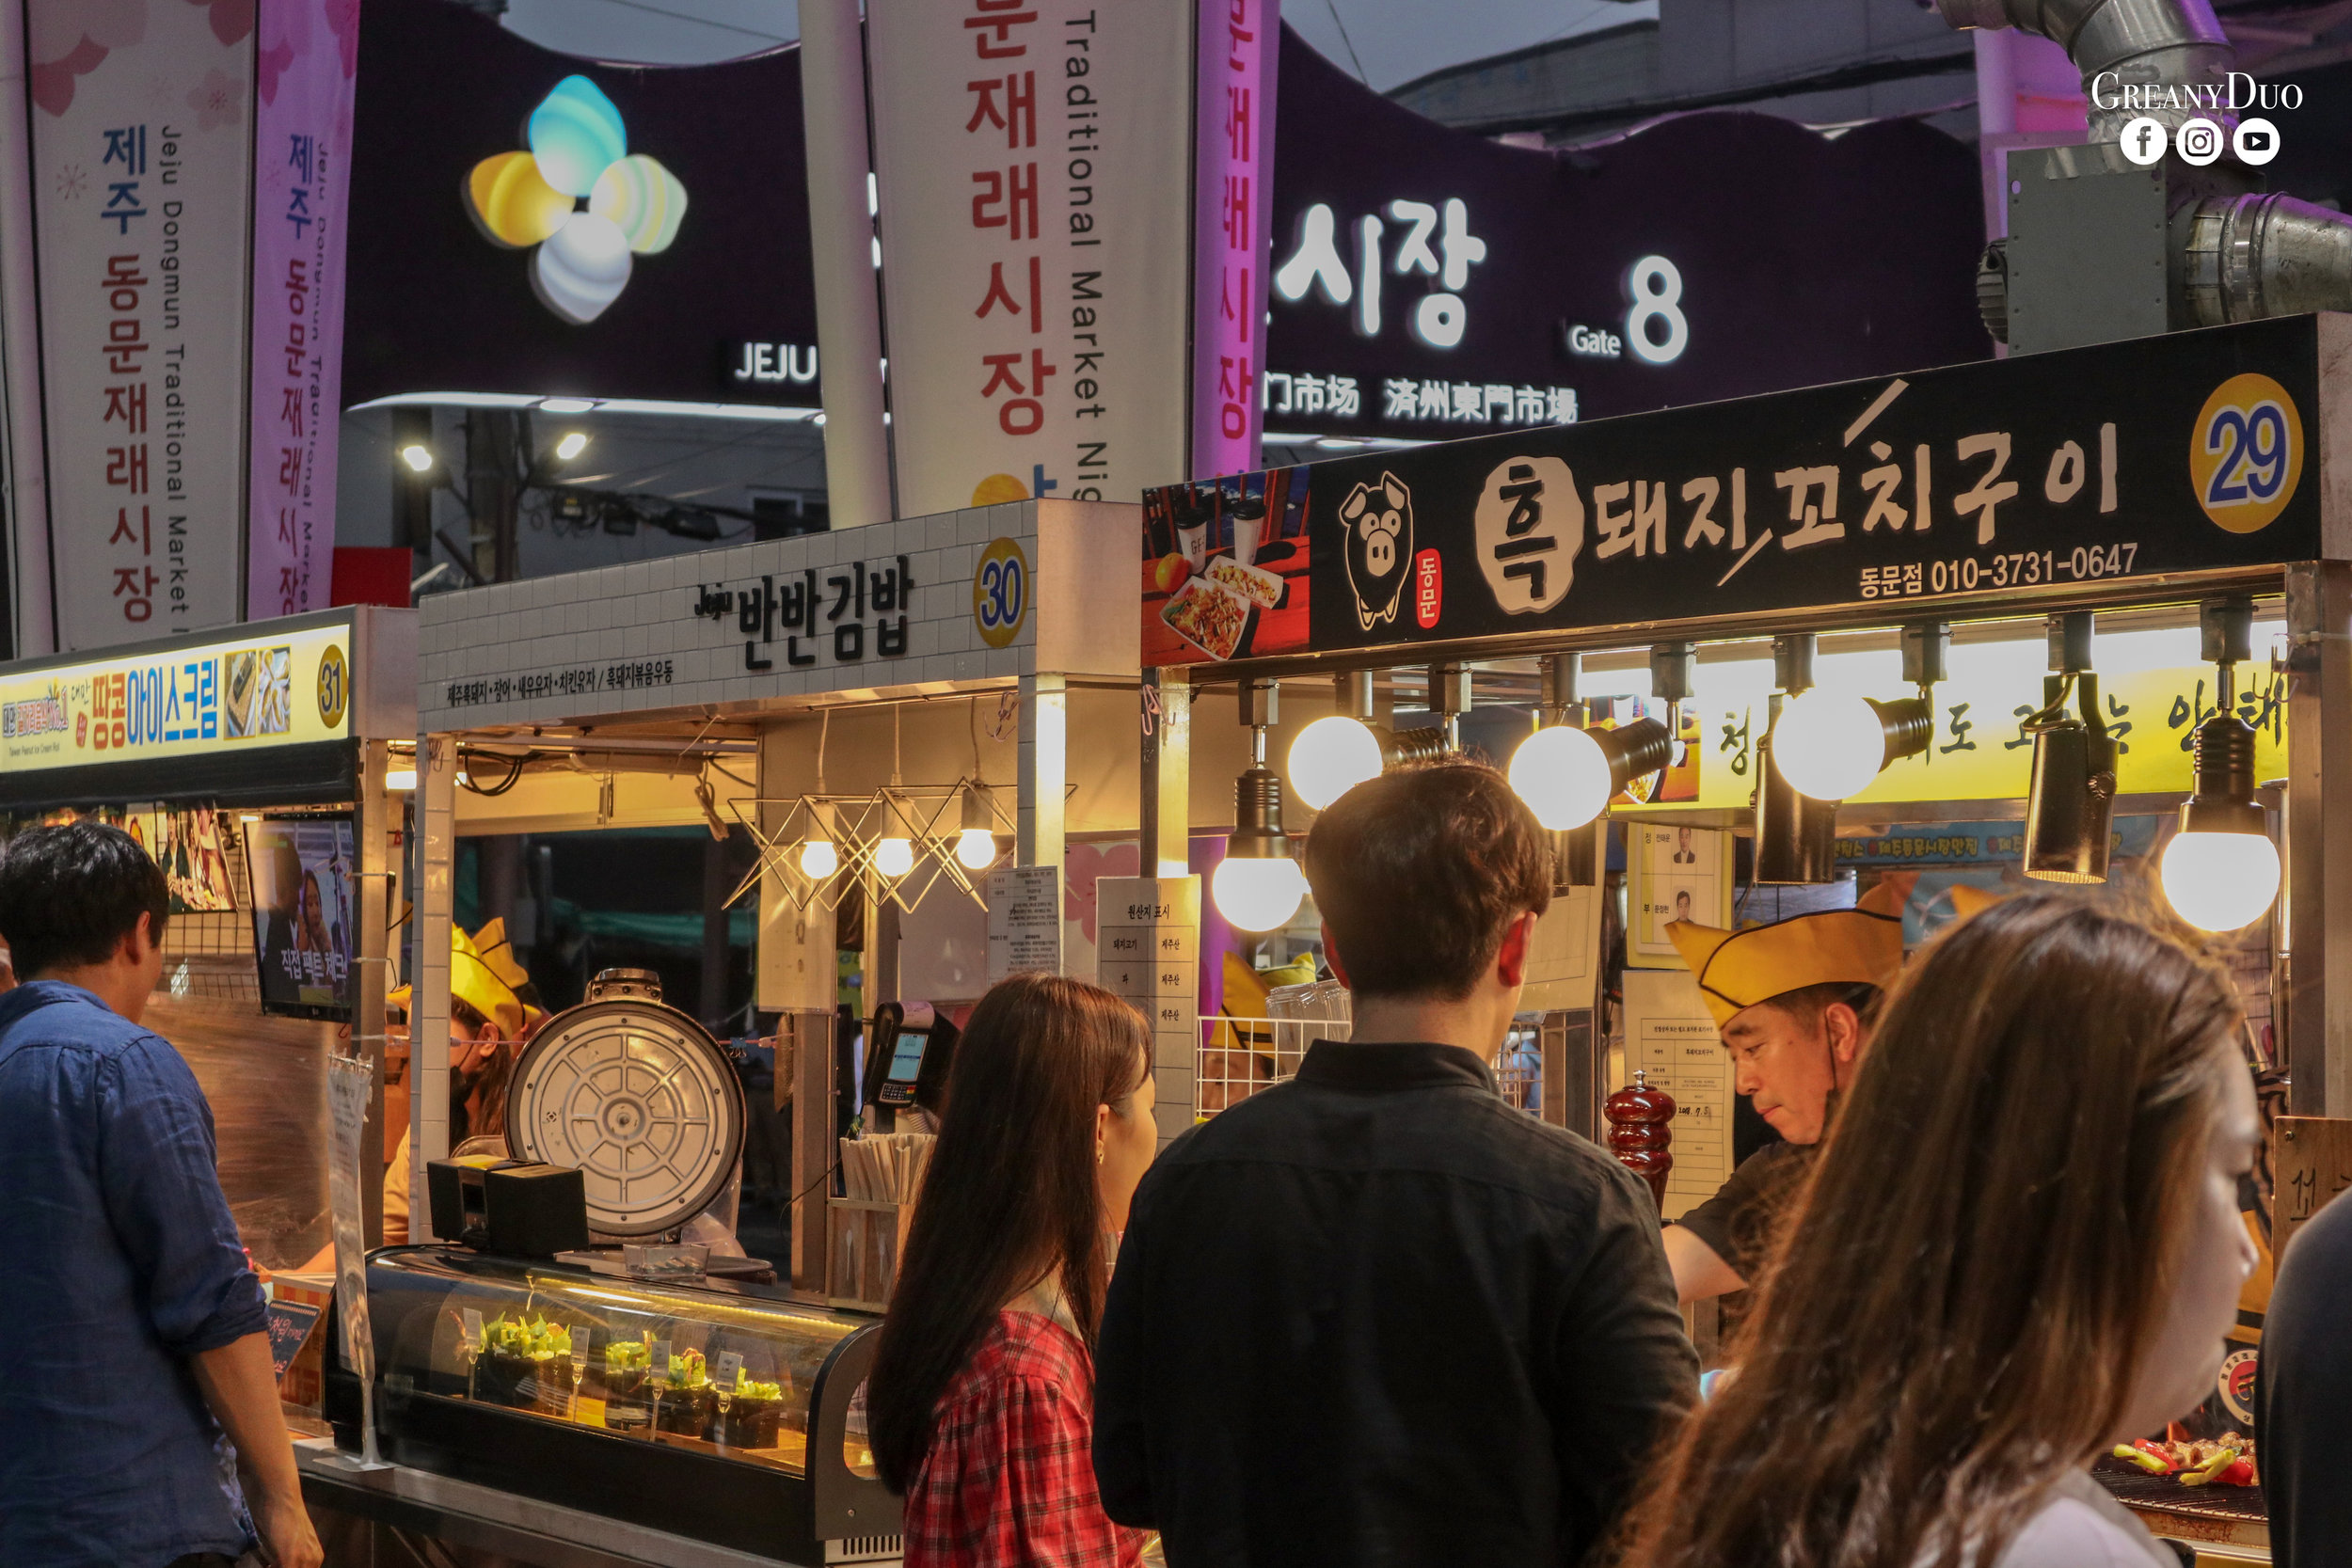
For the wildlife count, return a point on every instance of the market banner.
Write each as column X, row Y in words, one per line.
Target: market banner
column 308, row 56
column 142, row 163
column 1034, row 267
column 1236, row 58
column 1921, row 495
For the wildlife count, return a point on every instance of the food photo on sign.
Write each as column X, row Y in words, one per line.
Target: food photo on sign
column 1224, row 568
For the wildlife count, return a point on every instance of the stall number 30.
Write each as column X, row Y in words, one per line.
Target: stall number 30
column 1001, row 591
column 2254, row 447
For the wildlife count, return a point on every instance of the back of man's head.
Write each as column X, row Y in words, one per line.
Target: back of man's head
column 1420, row 872
column 70, row 895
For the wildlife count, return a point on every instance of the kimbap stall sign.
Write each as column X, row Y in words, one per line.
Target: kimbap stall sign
column 1916, row 496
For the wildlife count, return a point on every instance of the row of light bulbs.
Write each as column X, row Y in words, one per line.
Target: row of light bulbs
column 2220, row 872
column 976, row 844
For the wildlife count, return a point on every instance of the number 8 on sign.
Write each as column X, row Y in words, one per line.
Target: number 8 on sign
column 1000, row 593
column 2246, row 453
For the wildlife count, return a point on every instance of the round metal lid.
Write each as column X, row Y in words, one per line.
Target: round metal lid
column 640, row 1100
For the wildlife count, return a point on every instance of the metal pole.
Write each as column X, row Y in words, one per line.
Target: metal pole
column 28, row 620
column 2317, row 900
column 428, row 1013
column 370, row 984
column 1045, row 770
column 841, row 254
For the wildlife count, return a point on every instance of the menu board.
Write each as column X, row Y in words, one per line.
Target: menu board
column 1148, row 953
column 1023, row 921
column 305, row 905
column 1670, row 1035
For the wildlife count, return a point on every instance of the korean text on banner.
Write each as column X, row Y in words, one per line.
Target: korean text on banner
column 1033, row 263
column 1232, row 203
column 309, row 51
column 141, row 171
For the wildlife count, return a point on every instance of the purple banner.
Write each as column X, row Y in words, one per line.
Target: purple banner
column 1235, row 56
column 309, row 54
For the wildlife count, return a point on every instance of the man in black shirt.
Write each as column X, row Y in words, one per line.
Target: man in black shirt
column 2303, row 1397
column 1375, row 1316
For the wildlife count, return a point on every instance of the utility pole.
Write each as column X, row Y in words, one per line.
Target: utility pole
column 496, row 440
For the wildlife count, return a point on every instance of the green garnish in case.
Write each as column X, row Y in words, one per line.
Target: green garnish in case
column 747, row 1389
column 687, row 1371
column 628, row 1355
column 535, row 1337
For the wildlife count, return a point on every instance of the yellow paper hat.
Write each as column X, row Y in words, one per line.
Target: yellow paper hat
column 476, row 982
column 1970, row 902
column 1736, row 970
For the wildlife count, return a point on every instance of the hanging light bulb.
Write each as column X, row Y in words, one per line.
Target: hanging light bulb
column 1830, row 745
column 1796, row 836
column 1567, row 775
column 818, row 858
column 2221, row 871
column 975, row 844
column 1331, row 756
column 894, row 857
column 1259, row 885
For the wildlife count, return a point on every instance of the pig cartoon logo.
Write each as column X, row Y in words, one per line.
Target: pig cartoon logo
column 1379, row 522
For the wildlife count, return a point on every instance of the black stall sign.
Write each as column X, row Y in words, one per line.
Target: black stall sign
column 2183, row 453
column 818, row 610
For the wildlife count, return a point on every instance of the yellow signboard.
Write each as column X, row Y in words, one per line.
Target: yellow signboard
column 202, row 700
column 1979, row 751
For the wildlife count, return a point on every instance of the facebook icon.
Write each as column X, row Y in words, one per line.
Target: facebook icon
column 2143, row 141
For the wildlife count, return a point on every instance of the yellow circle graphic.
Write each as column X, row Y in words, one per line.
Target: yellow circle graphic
column 334, row 686
column 997, row 490
column 2246, row 453
column 1000, row 591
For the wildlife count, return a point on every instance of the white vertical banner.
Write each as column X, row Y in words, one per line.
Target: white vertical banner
column 1031, row 158
column 142, row 159
column 310, row 52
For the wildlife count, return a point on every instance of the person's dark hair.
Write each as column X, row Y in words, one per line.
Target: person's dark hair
column 1010, row 1197
column 1419, row 872
column 1982, row 1259
column 70, row 895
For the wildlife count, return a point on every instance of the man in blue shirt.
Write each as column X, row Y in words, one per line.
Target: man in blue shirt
column 135, row 1381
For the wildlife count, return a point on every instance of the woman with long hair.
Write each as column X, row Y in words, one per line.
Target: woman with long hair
column 981, row 1401
column 2020, row 1245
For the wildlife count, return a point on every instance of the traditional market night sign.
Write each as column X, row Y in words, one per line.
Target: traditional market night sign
column 1921, row 493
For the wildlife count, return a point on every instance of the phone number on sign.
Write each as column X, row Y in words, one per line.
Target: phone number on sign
column 2019, row 569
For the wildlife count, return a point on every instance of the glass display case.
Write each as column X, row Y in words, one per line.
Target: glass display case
column 728, row 1413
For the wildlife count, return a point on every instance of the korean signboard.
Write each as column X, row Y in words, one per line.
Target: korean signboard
column 310, row 52
column 1918, row 495
column 1235, row 56
column 1430, row 284
column 1033, row 263
column 220, row 698
column 141, row 163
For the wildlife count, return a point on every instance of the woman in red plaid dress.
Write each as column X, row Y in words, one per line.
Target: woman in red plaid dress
column 981, row 1402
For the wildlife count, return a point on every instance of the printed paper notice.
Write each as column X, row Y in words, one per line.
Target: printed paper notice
column 1670, row 1035
column 1023, row 921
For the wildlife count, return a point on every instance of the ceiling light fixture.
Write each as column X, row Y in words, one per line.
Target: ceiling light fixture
column 2069, row 805
column 1258, row 886
column 2220, row 871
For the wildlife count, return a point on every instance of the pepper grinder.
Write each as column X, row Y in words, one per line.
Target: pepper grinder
column 1641, row 1132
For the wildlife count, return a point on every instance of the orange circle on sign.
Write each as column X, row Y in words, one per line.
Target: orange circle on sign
column 2246, row 452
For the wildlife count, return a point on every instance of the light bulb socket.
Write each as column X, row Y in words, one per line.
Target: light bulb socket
column 1258, row 833
column 1909, row 724
column 979, row 809
column 1644, row 746
column 1448, row 688
column 1796, row 836
column 1926, row 653
column 1358, row 695
column 2225, row 629
column 1261, row 703
column 2224, row 799
column 1563, row 676
column 1409, row 748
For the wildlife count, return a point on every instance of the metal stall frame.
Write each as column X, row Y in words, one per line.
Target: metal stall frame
column 685, row 659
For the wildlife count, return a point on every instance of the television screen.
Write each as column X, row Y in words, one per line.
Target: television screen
column 305, row 911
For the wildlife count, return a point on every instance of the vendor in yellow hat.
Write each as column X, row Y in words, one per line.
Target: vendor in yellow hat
column 1793, row 1002
column 487, row 1021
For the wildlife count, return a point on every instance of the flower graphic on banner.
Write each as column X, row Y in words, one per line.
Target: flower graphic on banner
column 580, row 197
column 219, row 101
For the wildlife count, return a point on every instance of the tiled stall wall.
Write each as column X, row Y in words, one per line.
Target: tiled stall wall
column 623, row 615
